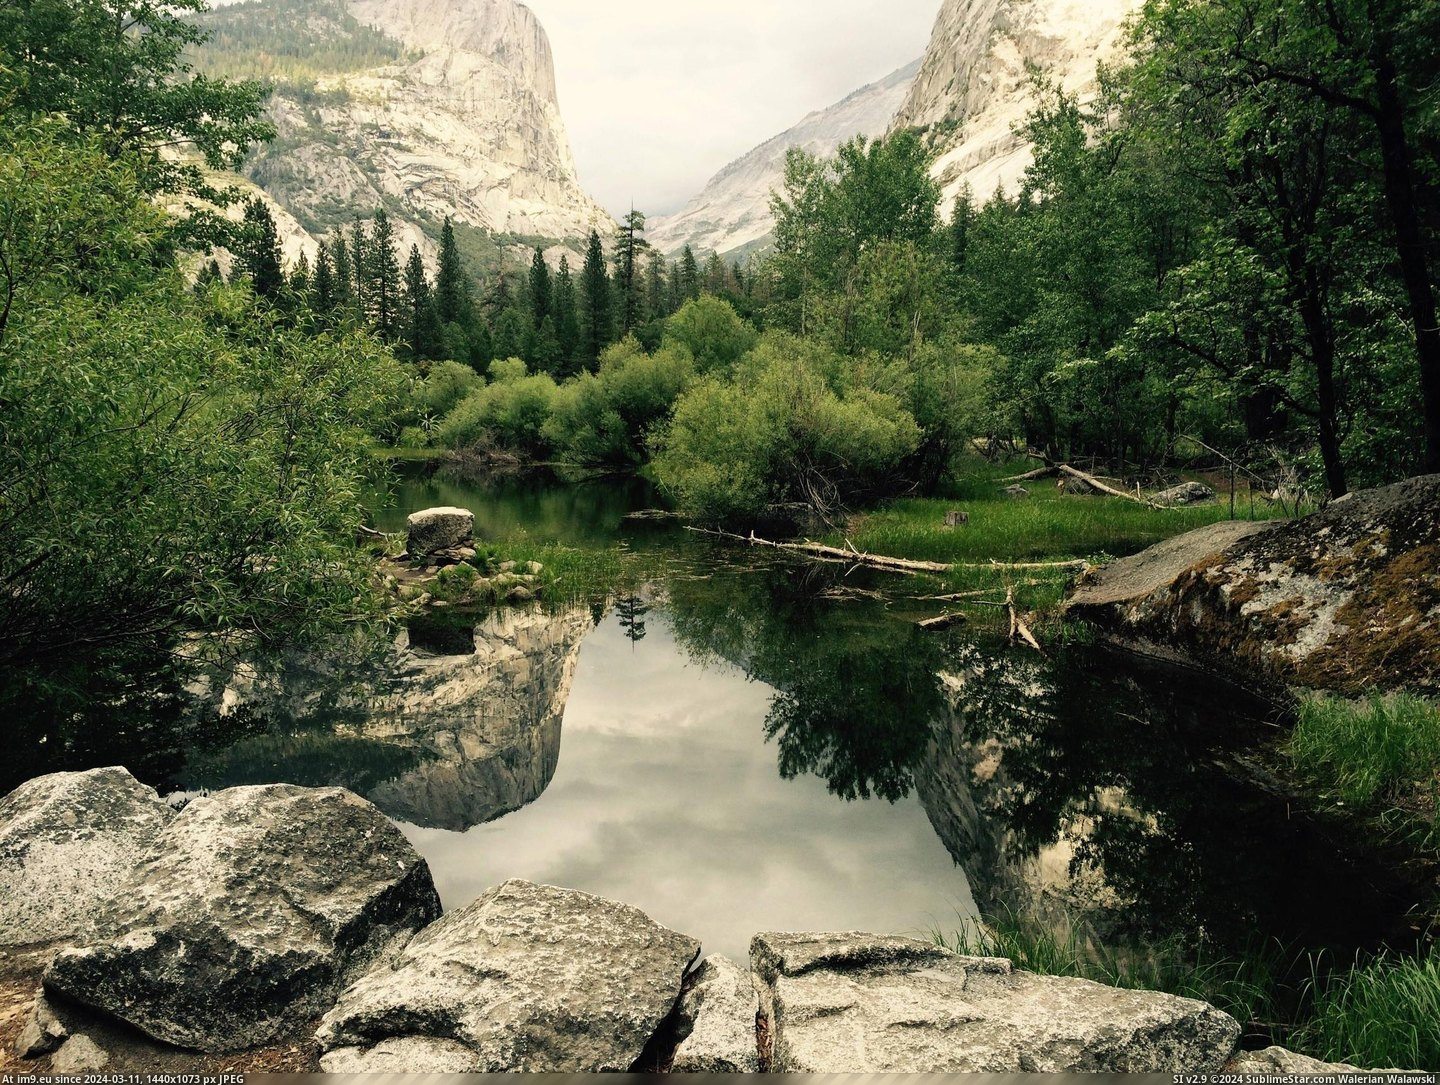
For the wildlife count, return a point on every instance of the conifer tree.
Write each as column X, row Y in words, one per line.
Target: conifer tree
column 300, row 278
column 359, row 267
column 595, row 322
column 715, row 274
column 630, row 247
column 383, row 300
column 261, row 256
column 674, row 289
column 962, row 220
column 452, row 295
column 655, row 287
column 547, row 357
column 322, row 287
column 540, row 292
column 422, row 328
column 510, row 333
column 689, row 276
column 344, row 285
column 567, row 316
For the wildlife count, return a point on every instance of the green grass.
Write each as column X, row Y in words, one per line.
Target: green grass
column 1380, row 756
column 1048, row 526
column 1384, row 1014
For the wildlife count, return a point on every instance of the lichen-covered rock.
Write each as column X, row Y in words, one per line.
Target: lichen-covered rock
column 526, row 978
column 258, row 905
column 1277, row 1060
column 1187, row 493
column 855, row 1003
column 717, row 1021
column 68, row 842
column 433, row 530
column 1346, row 600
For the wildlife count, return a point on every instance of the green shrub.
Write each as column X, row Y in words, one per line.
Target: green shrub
column 782, row 430
column 606, row 418
column 511, row 413
column 447, row 385
column 713, row 333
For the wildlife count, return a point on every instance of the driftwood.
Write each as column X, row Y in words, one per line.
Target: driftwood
column 879, row 561
column 1018, row 629
column 945, row 621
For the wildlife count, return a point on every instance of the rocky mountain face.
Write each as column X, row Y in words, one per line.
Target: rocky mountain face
column 975, row 83
column 732, row 212
column 454, row 113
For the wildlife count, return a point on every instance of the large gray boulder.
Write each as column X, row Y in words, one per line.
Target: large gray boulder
column 526, row 978
column 1187, row 493
column 854, row 1003
column 258, row 905
column 1346, row 600
column 69, row 842
column 438, row 529
column 717, row 1021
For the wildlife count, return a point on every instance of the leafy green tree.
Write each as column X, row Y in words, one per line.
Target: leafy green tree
column 382, row 297
column 596, row 325
column 118, row 69
column 174, row 463
column 260, row 251
column 710, row 330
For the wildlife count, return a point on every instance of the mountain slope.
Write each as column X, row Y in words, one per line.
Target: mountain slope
column 425, row 107
column 974, row 84
column 733, row 210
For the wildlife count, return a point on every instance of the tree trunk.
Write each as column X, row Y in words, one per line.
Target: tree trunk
column 1400, row 196
column 1322, row 357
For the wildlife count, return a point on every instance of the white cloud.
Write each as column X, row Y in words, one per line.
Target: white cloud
column 660, row 94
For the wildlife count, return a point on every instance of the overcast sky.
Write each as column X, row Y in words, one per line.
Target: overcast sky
column 658, row 95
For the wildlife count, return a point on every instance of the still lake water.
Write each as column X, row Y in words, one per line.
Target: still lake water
column 743, row 743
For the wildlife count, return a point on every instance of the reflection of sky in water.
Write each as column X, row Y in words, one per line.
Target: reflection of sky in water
column 667, row 797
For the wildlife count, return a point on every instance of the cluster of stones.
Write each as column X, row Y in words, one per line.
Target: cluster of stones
column 240, row 919
column 440, row 553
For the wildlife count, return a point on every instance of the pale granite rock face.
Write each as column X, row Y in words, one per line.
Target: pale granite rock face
column 527, row 978
column 68, row 842
column 256, row 907
column 856, row 1003
column 975, row 84
column 717, row 1020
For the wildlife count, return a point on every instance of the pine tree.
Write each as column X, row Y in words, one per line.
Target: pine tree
column 540, row 298
column 715, row 274
column 344, row 274
column 383, row 301
column 655, row 287
column 674, row 289
column 630, row 247
column 322, row 289
column 300, row 277
column 261, row 257
column 510, row 333
column 962, row 221
column 208, row 276
column 689, row 276
column 359, row 267
column 452, row 295
column 567, row 316
column 546, row 353
column 422, row 329
column 595, row 324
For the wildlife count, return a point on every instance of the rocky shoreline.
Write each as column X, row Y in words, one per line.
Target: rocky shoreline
column 280, row 927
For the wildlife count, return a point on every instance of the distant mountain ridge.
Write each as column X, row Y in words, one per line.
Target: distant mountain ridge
column 459, row 118
column 732, row 212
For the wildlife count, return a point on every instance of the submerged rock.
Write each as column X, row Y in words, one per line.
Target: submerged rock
column 526, row 978
column 1346, row 600
column 258, row 905
column 434, row 530
column 717, row 1021
column 69, row 842
column 854, row 1003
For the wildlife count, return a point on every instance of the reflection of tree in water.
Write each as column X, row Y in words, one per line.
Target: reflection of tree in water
column 856, row 692
column 631, row 610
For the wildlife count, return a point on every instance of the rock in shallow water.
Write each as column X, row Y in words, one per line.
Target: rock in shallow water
column 258, row 905
column 717, row 1020
column 432, row 530
column 526, row 978
column 860, row 1004
column 68, row 842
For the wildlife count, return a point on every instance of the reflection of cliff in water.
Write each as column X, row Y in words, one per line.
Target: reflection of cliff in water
column 1089, row 787
column 457, row 726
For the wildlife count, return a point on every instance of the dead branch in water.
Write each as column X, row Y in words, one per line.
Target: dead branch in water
column 945, row 621
column 1018, row 629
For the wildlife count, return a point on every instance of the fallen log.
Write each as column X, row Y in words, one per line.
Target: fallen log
column 944, row 621
column 1103, row 487
column 1031, row 476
